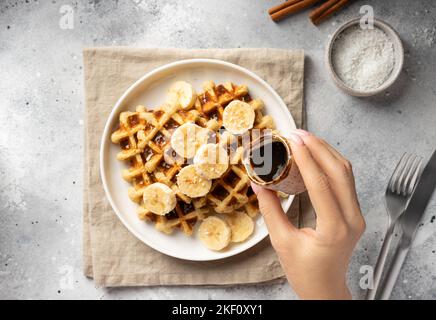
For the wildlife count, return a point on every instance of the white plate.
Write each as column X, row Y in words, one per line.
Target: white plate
column 150, row 91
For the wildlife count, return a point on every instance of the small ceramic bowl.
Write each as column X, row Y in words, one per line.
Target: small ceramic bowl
column 398, row 55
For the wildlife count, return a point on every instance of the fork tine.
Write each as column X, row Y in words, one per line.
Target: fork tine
column 409, row 173
column 394, row 173
column 414, row 176
column 401, row 181
column 397, row 172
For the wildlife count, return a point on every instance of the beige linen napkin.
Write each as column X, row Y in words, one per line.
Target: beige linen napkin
column 112, row 255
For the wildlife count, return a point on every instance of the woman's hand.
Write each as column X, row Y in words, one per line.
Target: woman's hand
column 316, row 261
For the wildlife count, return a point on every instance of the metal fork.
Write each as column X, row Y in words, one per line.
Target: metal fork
column 397, row 194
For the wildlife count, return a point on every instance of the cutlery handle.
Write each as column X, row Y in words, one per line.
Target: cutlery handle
column 395, row 268
column 381, row 261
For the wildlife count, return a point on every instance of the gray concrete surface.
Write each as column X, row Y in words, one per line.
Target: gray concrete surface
column 41, row 112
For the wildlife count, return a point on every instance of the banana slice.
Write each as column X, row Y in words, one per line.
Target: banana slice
column 182, row 94
column 187, row 138
column 191, row 183
column 241, row 224
column 159, row 198
column 238, row 117
column 211, row 161
column 215, row 233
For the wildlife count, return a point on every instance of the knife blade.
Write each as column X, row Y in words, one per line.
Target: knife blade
column 409, row 222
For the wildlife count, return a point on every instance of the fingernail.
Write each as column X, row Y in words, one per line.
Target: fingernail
column 296, row 139
column 302, row 133
column 255, row 187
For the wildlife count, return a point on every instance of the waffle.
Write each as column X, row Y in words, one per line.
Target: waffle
column 233, row 191
column 144, row 139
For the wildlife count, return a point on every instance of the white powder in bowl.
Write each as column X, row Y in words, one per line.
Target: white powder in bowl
column 363, row 58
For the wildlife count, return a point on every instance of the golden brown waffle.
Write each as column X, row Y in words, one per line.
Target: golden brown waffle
column 233, row 191
column 184, row 216
column 214, row 99
column 144, row 138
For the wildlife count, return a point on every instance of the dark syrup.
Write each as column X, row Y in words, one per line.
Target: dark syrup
column 269, row 160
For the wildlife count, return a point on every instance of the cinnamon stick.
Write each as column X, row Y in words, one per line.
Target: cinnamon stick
column 281, row 11
column 282, row 6
column 326, row 10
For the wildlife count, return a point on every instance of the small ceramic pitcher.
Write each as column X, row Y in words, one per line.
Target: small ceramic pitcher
column 287, row 177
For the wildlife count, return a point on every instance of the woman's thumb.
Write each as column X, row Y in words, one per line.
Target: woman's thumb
column 272, row 212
